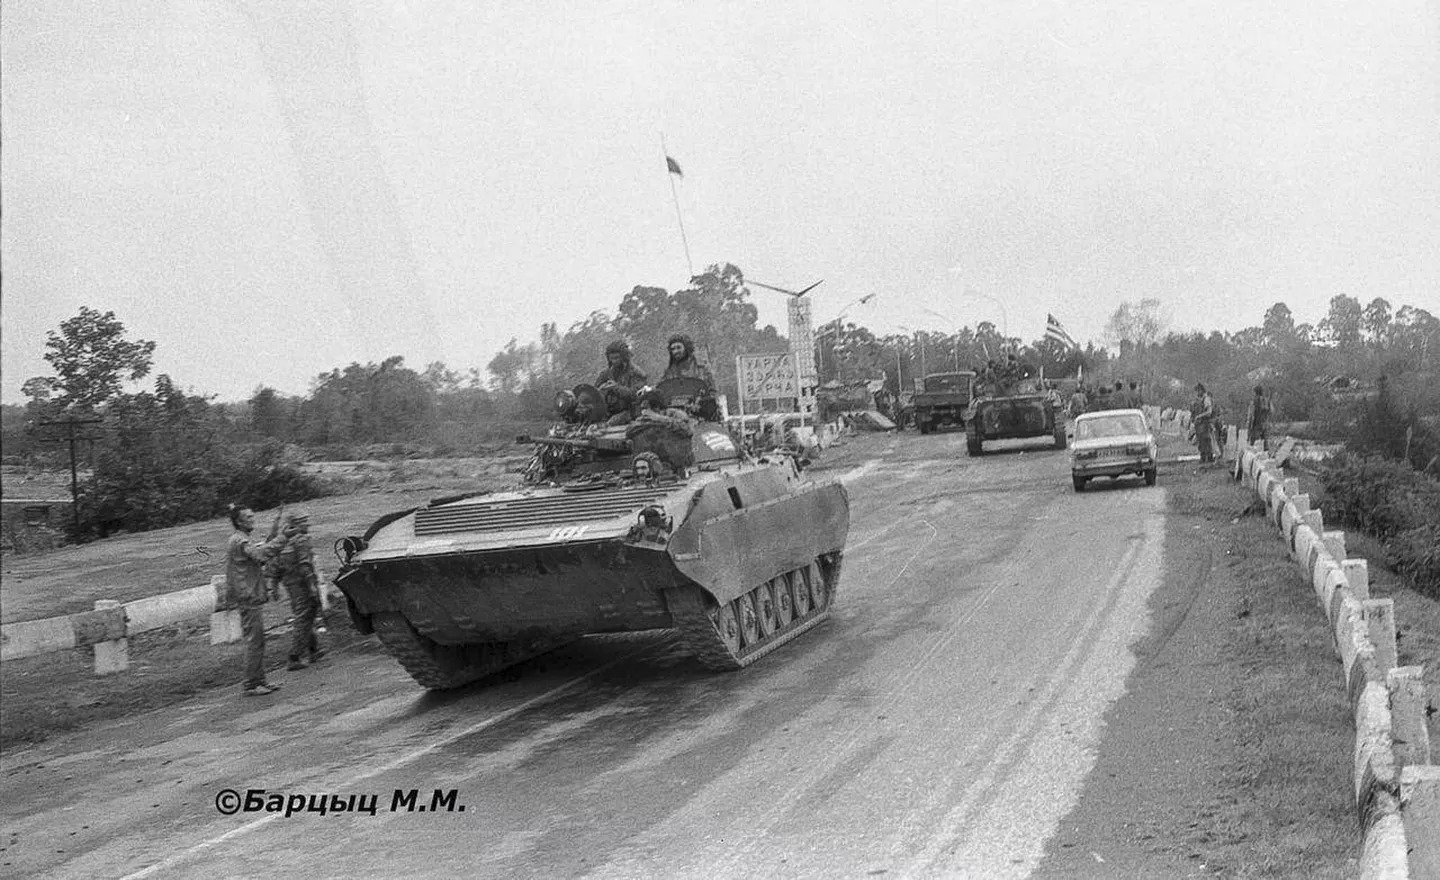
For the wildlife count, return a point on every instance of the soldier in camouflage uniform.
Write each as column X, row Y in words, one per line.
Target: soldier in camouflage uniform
column 296, row 565
column 620, row 382
column 683, row 365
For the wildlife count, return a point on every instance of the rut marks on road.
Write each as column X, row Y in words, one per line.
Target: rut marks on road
column 952, row 835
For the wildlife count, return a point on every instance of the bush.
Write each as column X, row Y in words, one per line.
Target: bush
column 1415, row 554
column 136, row 493
column 264, row 479
column 1392, row 501
column 18, row 539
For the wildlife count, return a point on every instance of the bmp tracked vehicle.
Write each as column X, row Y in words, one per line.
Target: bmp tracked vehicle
column 1004, row 412
column 659, row 523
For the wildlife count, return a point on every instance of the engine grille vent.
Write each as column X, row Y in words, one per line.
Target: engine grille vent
column 528, row 513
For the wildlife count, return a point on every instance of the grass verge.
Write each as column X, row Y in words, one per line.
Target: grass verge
column 1285, row 807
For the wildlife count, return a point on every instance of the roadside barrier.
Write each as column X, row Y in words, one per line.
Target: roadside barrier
column 1396, row 783
column 109, row 627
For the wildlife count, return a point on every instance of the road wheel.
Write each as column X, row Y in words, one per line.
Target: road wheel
column 924, row 425
column 1060, row 436
column 749, row 620
column 973, row 445
column 766, row 619
column 799, row 592
column 1079, row 483
column 784, row 602
column 1150, row 477
column 727, row 625
column 815, row 581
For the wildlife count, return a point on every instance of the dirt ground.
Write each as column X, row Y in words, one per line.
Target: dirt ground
column 1228, row 756
column 130, row 567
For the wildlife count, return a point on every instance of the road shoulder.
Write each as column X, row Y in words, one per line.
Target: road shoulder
column 1229, row 753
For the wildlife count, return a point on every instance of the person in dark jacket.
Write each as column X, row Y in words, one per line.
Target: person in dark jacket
column 620, row 382
column 1259, row 415
column 1202, row 418
column 683, row 365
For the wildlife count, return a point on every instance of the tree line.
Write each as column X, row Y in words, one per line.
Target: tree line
column 161, row 456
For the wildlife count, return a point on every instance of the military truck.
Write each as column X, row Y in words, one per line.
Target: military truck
column 943, row 400
column 1003, row 411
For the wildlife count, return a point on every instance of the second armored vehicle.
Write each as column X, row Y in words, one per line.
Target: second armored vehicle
column 1024, row 410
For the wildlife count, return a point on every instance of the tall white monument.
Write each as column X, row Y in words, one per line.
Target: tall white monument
column 802, row 352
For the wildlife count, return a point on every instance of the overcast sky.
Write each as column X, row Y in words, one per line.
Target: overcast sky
column 268, row 194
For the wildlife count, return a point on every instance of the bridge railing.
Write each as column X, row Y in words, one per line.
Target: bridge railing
column 1396, row 783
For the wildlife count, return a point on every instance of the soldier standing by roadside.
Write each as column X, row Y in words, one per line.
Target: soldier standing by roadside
column 1202, row 416
column 244, row 580
column 296, row 563
column 1259, row 415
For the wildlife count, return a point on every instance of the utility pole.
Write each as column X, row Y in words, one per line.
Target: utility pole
column 71, row 431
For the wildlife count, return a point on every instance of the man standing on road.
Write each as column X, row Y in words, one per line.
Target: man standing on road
column 244, row 580
column 296, row 563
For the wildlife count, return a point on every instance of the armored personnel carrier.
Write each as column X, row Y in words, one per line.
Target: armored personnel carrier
column 659, row 523
column 1010, row 410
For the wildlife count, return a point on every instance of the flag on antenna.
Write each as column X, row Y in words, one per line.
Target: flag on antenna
column 673, row 167
column 1054, row 330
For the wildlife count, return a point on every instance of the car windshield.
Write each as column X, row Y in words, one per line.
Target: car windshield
column 1110, row 426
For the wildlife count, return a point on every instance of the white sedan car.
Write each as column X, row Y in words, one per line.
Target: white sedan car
column 1112, row 443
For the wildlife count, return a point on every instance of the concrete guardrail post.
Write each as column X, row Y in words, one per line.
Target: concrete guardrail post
column 225, row 620
column 1357, row 575
column 1407, row 716
column 111, row 655
column 1289, row 488
column 1315, row 523
column 1380, row 626
column 1335, row 544
column 1420, row 810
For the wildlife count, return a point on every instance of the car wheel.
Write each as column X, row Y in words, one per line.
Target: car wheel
column 1079, row 483
column 1150, row 477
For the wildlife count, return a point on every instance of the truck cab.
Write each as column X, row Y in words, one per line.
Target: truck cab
column 943, row 400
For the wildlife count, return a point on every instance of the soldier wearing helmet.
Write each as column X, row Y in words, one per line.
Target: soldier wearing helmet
column 620, row 382
column 296, row 565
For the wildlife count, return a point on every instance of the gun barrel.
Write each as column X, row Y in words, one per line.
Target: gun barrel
column 606, row 444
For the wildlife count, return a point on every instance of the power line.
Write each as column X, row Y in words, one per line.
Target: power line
column 71, row 430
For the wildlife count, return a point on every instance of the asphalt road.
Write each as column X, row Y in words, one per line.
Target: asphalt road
column 940, row 724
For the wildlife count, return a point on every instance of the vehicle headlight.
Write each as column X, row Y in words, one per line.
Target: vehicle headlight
column 1087, row 453
column 1137, row 449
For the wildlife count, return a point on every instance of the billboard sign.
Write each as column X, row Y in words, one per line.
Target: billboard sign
column 766, row 376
